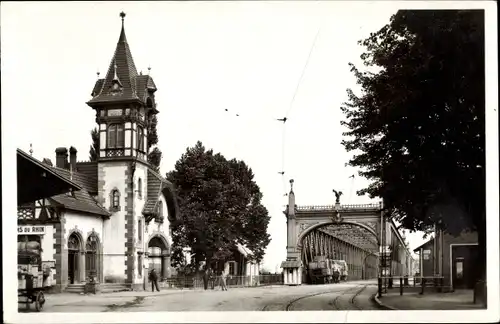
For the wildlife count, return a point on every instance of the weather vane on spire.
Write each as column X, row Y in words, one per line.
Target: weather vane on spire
column 122, row 14
column 31, row 149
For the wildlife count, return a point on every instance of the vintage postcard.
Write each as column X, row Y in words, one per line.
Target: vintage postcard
column 250, row 161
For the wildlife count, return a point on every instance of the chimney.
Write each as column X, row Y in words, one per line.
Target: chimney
column 61, row 157
column 72, row 158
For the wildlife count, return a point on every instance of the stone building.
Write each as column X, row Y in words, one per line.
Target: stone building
column 116, row 225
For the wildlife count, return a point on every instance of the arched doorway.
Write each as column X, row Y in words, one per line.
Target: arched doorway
column 159, row 255
column 76, row 273
column 93, row 257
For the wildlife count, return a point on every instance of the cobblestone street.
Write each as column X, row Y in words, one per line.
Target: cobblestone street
column 344, row 296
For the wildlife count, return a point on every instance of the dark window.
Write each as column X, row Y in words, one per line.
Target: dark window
column 139, row 187
column 160, row 209
column 116, row 136
column 139, row 264
column 139, row 229
column 140, row 139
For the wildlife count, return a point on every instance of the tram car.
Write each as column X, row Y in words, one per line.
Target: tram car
column 321, row 270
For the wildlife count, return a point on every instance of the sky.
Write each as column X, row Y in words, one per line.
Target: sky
column 205, row 57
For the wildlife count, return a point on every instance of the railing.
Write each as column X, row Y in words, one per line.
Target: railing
column 340, row 208
column 196, row 282
column 409, row 283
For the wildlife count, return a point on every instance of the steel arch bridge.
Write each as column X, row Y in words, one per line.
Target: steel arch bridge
column 368, row 242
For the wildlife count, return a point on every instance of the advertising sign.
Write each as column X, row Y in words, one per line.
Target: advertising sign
column 31, row 229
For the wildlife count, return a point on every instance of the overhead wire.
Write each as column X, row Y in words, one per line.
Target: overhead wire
column 286, row 117
column 283, row 153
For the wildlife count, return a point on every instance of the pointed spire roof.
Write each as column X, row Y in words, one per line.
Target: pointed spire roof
column 120, row 83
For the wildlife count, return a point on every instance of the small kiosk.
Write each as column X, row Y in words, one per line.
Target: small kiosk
column 35, row 181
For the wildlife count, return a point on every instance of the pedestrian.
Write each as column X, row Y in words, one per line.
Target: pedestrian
column 205, row 279
column 212, row 279
column 153, row 277
column 223, row 277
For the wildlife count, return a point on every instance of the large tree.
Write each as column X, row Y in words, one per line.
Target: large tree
column 417, row 129
column 94, row 147
column 220, row 204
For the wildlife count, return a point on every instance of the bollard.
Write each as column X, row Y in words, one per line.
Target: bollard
column 379, row 287
column 423, row 286
column 401, row 286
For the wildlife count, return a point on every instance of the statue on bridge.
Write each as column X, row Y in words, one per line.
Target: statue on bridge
column 337, row 196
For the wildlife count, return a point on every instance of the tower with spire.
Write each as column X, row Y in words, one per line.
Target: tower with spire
column 128, row 187
column 124, row 103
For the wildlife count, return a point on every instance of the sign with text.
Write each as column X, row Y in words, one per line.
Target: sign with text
column 30, row 229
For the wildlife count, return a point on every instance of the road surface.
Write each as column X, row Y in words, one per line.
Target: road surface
column 343, row 296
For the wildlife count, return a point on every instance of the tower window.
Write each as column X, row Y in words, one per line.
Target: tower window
column 116, row 136
column 140, row 139
column 115, row 200
column 139, row 187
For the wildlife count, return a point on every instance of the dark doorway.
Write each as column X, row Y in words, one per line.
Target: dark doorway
column 72, row 264
column 74, row 248
column 464, row 258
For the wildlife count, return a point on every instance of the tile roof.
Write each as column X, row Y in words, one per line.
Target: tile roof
column 122, row 66
column 158, row 185
column 88, row 172
column 81, row 200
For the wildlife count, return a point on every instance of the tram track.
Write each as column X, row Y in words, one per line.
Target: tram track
column 335, row 302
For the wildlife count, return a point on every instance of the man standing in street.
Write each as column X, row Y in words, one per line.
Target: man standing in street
column 205, row 279
column 223, row 277
column 153, row 277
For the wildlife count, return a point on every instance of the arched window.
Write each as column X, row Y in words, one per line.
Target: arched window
column 139, row 187
column 140, row 138
column 160, row 209
column 116, row 136
column 115, row 200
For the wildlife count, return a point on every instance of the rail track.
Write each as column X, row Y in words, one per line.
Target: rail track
column 334, row 303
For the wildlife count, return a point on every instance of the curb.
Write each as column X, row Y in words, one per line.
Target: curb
column 382, row 305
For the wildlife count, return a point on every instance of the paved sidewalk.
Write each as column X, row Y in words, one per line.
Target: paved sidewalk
column 458, row 300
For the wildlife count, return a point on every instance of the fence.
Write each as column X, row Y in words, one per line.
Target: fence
column 410, row 284
column 196, row 282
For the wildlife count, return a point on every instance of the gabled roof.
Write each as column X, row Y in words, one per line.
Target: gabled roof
column 423, row 245
column 80, row 200
column 122, row 71
column 158, row 185
column 36, row 180
column 244, row 250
